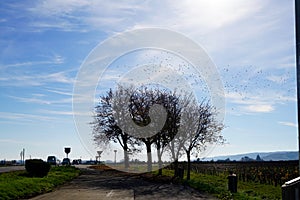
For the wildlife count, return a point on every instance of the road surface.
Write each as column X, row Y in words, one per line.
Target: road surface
column 114, row 185
column 11, row 168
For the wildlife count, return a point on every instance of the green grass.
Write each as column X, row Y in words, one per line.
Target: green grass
column 16, row 185
column 217, row 185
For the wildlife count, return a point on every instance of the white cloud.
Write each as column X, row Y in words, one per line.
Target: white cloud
column 60, row 92
column 59, row 77
column 39, row 100
column 56, row 112
column 259, row 108
column 2, row 20
column 212, row 15
column 83, row 15
column 241, row 27
column 259, row 101
column 291, row 124
column 111, row 16
column 66, row 113
column 54, row 60
column 23, row 117
column 278, row 79
column 11, row 141
column 33, row 100
column 22, row 78
column 58, row 8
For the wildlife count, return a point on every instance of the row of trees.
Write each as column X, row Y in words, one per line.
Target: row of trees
column 156, row 118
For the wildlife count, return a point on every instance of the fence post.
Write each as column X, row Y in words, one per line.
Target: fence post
column 232, row 182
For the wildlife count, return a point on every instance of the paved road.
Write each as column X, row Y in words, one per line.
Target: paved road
column 11, row 168
column 113, row 185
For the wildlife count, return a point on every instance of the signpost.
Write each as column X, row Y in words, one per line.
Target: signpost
column 67, row 150
column 99, row 155
column 115, row 156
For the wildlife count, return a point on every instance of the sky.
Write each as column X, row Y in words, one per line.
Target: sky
column 43, row 45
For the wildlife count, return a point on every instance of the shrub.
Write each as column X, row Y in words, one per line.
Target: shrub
column 37, row 167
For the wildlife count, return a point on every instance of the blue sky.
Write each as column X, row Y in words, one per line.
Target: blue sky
column 44, row 43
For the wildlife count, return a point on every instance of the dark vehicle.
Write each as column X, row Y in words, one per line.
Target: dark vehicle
column 52, row 160
column 76, row 162
column 66, row 161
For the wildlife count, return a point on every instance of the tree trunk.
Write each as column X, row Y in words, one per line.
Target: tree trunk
column 126, row 157
column 188, row 154
column 149, row 156
column 175, row 168
column 159, row 160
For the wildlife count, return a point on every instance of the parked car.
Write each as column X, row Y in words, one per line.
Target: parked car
column 52, row 160
column 76, row 162
column 66, row 161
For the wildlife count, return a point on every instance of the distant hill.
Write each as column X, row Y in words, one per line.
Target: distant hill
column 266, row 156
column 282, row 156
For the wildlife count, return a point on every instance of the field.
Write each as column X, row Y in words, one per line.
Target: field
column 18, row 185
column 271, row 172
column 256, row 180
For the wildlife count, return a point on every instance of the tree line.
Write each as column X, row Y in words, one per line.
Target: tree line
column 155, row 118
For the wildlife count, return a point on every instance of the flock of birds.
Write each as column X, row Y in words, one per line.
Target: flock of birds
column 248, row 84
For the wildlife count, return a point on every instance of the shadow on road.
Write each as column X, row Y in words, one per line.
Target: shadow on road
column 112, row 184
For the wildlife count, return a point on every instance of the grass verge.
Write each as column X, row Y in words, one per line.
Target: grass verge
column 212, row 184
column 217, row 185
column 17, row 185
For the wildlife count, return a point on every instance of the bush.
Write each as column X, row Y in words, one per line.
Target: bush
column 37, row 167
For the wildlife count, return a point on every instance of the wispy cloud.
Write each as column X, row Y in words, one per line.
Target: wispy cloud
column 39, row 100
column 57, row 112
column 11, row 141
column 60, row 92
column 279, row 79
column 55, row 60
column 216, row 13
column 257, row 102
column 24, row 117
column 22, row 79
column 23, row 142
column 113, row 16
column 31, row 100
column 93, row 15
column 66, row 113
column 291, row 124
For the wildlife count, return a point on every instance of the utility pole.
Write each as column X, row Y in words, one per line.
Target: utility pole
column 23, row 156
column 297, row 24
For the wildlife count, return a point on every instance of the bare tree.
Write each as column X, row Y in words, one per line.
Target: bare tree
column 177, row 130
column 141, row 102
column 115, row 113
column 125, row 117
column 166, row 135
column 106, row 129
column 201, row 129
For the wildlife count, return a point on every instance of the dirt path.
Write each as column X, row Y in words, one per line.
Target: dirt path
column 95, row 184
